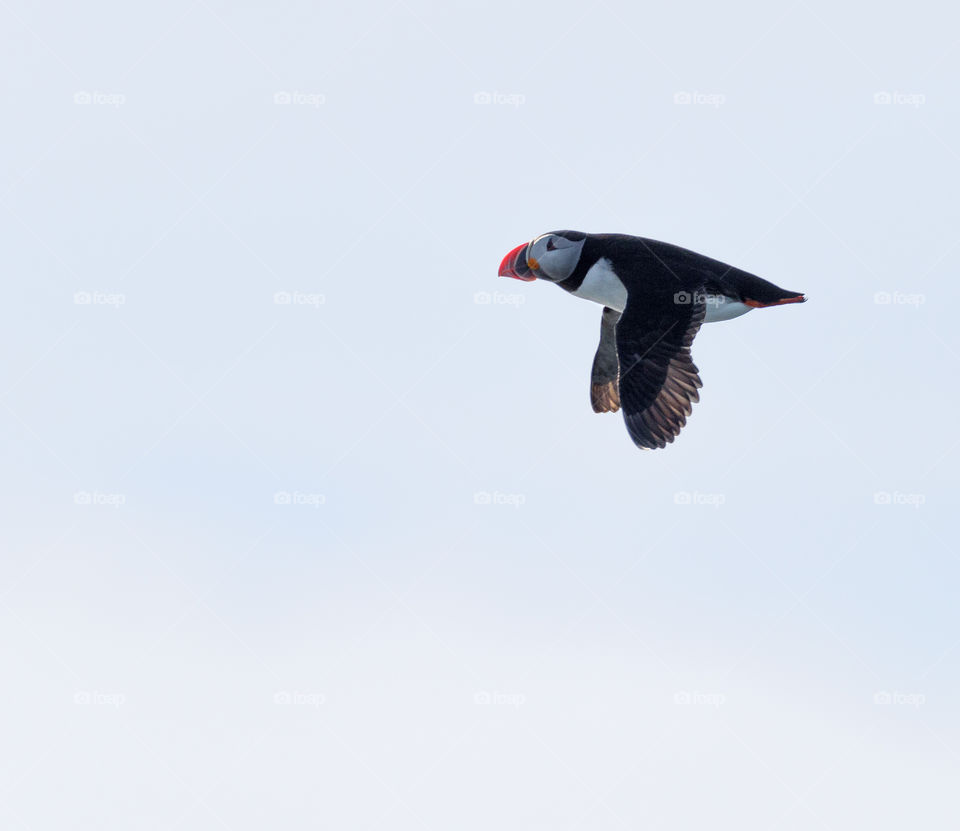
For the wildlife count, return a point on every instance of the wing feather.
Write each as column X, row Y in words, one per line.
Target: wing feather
column 658, row 381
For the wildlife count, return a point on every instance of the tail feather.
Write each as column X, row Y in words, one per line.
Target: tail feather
column 790, row 298
column 757, row 292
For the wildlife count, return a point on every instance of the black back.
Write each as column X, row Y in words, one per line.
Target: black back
column 659, row 268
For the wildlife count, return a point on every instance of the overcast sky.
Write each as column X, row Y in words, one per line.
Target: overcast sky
column 307, row 520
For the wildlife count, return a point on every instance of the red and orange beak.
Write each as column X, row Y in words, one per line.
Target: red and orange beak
column 515, row 265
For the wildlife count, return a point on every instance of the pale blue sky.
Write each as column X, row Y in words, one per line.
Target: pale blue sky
column 307, row 520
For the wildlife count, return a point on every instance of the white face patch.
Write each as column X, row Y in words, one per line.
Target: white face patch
column 556, row 256
column 601, row 285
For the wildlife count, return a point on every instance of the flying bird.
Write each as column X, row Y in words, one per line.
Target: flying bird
column 655, row 298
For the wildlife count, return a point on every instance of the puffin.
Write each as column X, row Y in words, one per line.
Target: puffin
column 655, row 297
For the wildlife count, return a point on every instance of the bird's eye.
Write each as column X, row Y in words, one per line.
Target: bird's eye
column 550, row 245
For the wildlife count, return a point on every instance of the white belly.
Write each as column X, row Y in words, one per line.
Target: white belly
column 722, row 308
column 601, row 285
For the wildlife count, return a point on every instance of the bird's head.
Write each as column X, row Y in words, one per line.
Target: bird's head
column 552, row 256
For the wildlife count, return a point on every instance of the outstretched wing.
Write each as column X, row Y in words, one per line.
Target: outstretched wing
column 658, row 379
column 604, row 377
